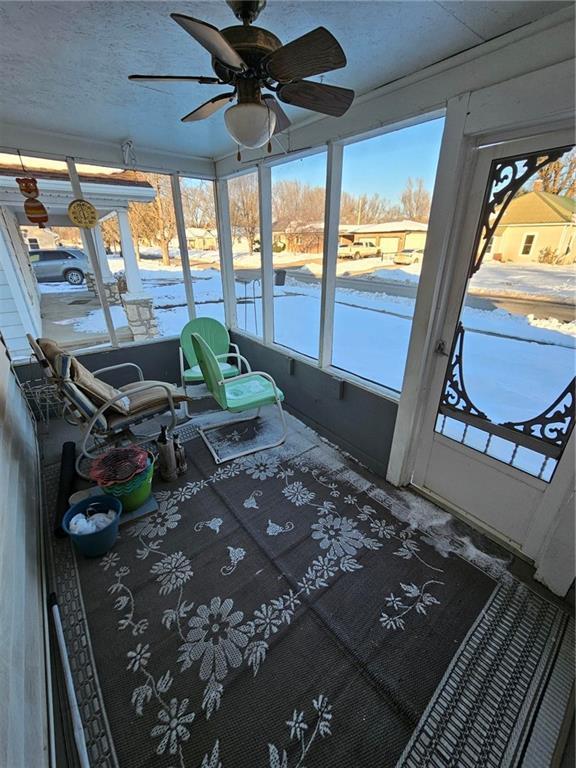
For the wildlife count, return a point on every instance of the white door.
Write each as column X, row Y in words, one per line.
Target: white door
column 497, row 430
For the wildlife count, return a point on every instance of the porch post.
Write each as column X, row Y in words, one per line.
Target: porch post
column 266, row 255
column 107, row 275
column 90, row 244
column 225, row 249
column 183, row 244
column 330, row 255
column 133, row 277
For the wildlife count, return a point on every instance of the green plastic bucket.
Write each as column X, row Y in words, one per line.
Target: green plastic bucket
column 136, row 491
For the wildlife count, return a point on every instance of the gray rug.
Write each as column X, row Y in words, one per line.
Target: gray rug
column 281, row 611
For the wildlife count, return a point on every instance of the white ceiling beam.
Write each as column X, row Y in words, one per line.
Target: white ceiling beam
column 58, row 146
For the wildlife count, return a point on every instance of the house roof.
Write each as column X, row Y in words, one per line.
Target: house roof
column 539, row 208
column 403, row 225
column 126, row 178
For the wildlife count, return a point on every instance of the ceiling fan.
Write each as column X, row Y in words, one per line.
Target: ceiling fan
column 250, row 59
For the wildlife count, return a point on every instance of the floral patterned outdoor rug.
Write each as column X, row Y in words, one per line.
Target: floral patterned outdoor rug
column 274, row 613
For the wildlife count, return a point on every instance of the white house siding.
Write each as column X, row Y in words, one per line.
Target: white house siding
column 19, row 299
column 24, row 700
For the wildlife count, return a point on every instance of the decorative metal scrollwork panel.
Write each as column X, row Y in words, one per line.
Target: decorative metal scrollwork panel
column 507, row 176
column 555, row 424
column 455, row 397
column 547, row 433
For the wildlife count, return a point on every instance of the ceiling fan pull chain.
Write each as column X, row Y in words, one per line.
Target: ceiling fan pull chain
column 239, row 156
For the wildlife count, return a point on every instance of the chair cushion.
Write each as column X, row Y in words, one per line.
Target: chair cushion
column 50, row 350
column 250, row 392
column 195, row 374
column 76, row 398
column 151, row 399
column 96, row 389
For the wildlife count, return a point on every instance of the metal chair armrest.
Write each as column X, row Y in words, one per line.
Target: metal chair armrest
column 117, row 367
column 119, row 396
column 253, row 373
column 240, row 358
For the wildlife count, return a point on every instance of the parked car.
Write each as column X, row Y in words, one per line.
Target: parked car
column 58, row 264
column 409, row 256
column 361, row 249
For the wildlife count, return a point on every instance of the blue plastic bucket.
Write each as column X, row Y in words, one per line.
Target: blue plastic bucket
column 94, row 544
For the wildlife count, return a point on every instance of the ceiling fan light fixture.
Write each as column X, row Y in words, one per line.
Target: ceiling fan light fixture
column 250, row 124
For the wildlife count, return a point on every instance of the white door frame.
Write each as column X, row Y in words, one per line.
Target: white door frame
column 549, row 498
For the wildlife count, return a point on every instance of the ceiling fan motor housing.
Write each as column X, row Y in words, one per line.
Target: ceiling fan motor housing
column 251, row 43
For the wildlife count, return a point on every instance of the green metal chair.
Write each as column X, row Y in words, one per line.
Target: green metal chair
column 216, row 336
column 239, row 394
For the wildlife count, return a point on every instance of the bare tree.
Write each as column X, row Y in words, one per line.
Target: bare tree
column 244, row 211
column 110, row 232
column 366, row 209
column 559, row 177
column 415, row 200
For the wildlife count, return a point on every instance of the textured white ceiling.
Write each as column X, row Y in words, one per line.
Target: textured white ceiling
column 64, row 64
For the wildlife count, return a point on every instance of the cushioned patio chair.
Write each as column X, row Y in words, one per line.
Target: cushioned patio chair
column 104, row 414
column 216, row 336
column 245, row 392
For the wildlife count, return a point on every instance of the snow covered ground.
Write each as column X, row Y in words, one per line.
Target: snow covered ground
column 515, row 365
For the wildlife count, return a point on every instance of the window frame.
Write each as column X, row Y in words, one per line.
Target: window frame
column 533, row 235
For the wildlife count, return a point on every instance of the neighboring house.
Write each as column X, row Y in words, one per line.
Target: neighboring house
column 200, row 239
column 298, row 237
column 390, row 237
column 34, row 237
column 534, row 224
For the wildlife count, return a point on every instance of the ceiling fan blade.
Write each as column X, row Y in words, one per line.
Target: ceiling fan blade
column 282, row 121
column 328, row 99
column 211, row 39
column 209, row 107
column 175, row 79
column 316, row 52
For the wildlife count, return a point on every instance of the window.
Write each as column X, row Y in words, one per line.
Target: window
column 245, row 226
column 57, row 290
column 148, row 228
column 527, row 245
column 202, row 240
column 298, row 195
column 387, row 185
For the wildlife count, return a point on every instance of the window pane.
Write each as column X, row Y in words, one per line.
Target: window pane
column 53, row 284
column 387, row 186
column 202, row 239
column 298, row 195
column 158, row 277
column 245, row 224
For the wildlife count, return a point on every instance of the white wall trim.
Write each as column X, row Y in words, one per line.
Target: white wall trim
column 330, row 252
column 266, row 255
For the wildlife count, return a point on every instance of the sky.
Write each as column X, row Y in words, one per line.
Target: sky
column 381, row 164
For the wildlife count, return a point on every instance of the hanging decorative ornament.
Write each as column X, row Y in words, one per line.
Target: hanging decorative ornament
column 82, row 213
column 33, row 208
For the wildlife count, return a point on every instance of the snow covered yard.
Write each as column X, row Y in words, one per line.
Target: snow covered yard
column 515, row 365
